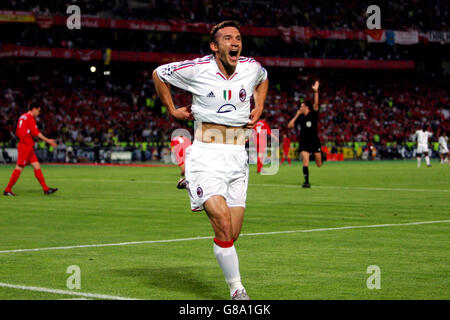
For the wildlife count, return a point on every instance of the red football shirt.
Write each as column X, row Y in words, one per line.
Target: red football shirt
column 27, row 129
column 178, row 146
column 262, row 128
column 286, row 143
column 259, row 135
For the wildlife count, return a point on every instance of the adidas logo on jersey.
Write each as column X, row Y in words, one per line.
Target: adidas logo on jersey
column 210, row 95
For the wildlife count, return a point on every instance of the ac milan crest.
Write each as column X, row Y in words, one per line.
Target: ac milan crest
column 199, row 192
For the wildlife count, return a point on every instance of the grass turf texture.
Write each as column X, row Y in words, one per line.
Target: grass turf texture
column 102, row 205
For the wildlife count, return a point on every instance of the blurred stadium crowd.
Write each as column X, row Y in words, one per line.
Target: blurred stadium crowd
column 81, row 108
column 58, row 37
column 327, row 14
column 85, row 109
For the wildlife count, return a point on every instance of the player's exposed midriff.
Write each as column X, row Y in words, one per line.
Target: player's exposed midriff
column 217, row 133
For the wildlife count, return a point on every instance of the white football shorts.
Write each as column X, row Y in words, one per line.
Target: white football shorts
column 421, row 148
column 216, row 169
column 443, row 150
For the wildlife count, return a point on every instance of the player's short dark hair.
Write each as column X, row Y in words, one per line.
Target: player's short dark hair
column 308, row 103
column 223, row 24
column 33, row 105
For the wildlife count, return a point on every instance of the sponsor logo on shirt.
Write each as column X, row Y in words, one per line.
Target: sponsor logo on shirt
column 226, row 108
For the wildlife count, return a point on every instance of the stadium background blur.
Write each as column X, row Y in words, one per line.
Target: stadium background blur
column 377, row 87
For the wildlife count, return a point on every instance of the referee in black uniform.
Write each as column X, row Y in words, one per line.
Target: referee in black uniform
column 307, row 117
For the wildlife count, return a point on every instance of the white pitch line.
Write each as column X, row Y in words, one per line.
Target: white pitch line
column 351, row 188
column 280, row 185
column 105, row 245
column 64, row 292
column 211, row 237
column 350, row 227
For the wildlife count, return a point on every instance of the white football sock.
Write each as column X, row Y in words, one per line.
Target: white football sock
column 427, row 160
column 229, row 263
column 418, row 162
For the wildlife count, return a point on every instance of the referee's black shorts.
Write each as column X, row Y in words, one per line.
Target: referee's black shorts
column 310, row 146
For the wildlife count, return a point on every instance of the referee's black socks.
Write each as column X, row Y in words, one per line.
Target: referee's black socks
column 306, row 174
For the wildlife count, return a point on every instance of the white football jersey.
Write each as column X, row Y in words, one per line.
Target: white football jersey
column 422, row 136
column 443, row 143
column 216, row 99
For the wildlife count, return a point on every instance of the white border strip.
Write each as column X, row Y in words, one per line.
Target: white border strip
column 64, row 292
column 211, row 237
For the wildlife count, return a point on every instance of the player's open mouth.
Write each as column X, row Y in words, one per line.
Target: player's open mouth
column 234, row 55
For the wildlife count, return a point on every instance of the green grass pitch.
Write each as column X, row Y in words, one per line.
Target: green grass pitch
column 296, row 243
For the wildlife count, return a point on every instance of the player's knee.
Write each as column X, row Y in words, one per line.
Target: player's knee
column 224, row 227
column 36, row 165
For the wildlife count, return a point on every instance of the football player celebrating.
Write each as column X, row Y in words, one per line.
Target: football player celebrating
column 222, row 85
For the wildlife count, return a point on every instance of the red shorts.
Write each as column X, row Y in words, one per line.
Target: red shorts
column 180, row 157
column 261, row 148
column 26, row 155
column 260, row 142
column 180, row 152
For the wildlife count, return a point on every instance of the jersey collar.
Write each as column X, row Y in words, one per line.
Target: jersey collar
column 220, row 74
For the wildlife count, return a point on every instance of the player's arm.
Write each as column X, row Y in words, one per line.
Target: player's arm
column 292, row 121
column 315, row 87
column 163, row 91
column 34, row 131
column 259, row 95
column 47, row 140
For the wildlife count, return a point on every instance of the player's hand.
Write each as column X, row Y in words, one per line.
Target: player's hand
column 315, row 86
column 183, row 113
column 52, row 142
column 255, row 114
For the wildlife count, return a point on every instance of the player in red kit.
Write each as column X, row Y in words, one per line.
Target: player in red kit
column 178, row 146
column 259, row 135
column 286, row 147
column 25, row 131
